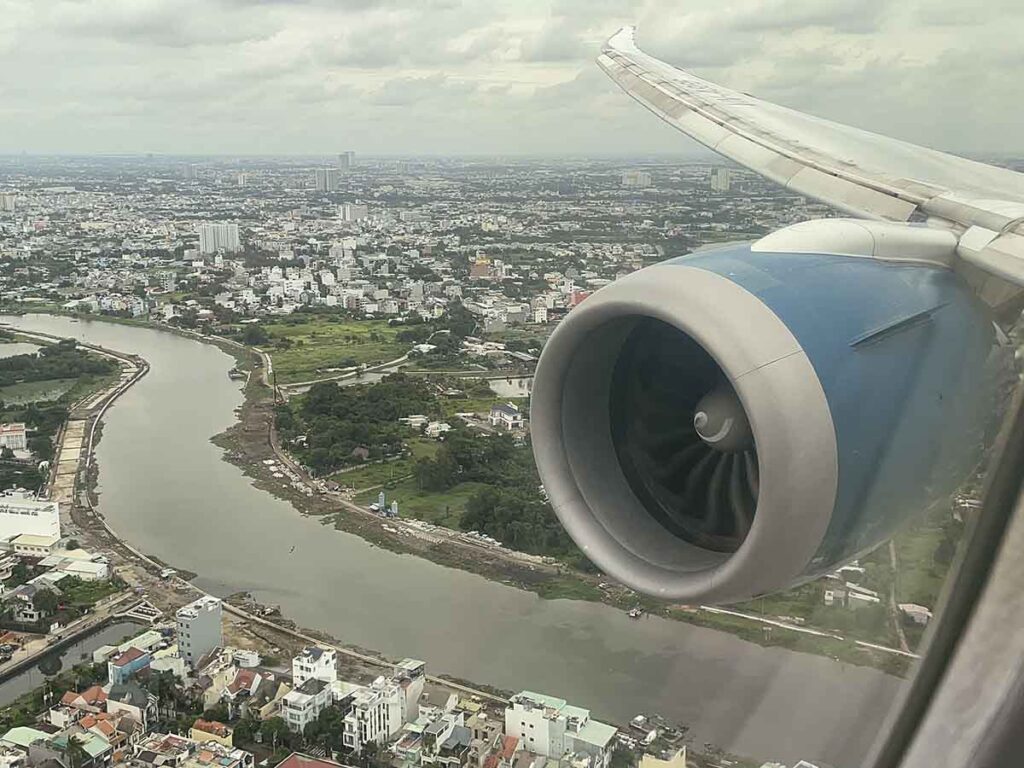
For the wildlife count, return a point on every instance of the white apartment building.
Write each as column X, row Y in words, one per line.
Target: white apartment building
column 304, row 703
column 551, row 727
column 315, row 664
column 353, row 211
column 218, row 237
column 21, row 514
column 199, row 628
column 380, row 710
column 13, row 436
column 636, row 179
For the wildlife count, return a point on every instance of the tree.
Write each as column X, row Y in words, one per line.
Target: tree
column 45, row 601
column 254, row 335
column 217, row 713
column 75, row 752
column 72, row 544
column 6, row 452
column 274, row 732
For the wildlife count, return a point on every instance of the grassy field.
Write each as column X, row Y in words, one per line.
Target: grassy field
column 920, row 576
column 440, row 508
column 35, row 391
column 318, row 344
column 89, row 385
column 372, row 475
column 476, row 404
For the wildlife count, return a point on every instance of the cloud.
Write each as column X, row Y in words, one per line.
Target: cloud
column 410, row 76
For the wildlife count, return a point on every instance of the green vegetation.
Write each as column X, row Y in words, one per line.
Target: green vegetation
column 507, row 504
column 924, row 552
column 36, row 391
column 44, row 419
column 307, row 346
column 331, row 426
column 63, row 360
column 79, row 594
column 439, row 507
column 389, row 471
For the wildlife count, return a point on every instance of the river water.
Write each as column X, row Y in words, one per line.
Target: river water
column 54, row 663
column 164, row 487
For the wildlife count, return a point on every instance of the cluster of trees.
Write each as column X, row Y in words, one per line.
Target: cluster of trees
column 336, row 420
column 63, row 360
column 511, row 508
column 44, row 419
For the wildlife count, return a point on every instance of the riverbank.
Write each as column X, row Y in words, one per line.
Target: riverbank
column 166, row 489
column 251, row 445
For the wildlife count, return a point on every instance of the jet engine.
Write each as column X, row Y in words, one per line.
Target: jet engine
column 738, row 421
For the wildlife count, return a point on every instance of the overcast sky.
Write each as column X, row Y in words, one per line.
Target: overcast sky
column 444, row 77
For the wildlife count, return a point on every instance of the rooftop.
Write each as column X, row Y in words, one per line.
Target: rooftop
column 192, row 610
column 596, row 733
column 298, row 760
column 132, row 654
column 212, row 726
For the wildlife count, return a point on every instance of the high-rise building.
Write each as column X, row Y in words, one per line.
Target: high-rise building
column 199, row 628
column 721, row 179
column 190, row 172
column 636, row 179
column 7, row 201
column 243, row 179
column 218, row 237
column 326, row 179
column 353, row 211
column 346, row 160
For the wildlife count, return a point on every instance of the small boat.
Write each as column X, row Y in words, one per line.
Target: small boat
column 636, row 613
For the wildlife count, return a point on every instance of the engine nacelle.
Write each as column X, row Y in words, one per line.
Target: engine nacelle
column 735, row 422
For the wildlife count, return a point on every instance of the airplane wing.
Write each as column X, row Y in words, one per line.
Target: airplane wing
column 861, row 173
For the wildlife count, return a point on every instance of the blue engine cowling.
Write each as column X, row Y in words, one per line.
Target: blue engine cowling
column 735, row 422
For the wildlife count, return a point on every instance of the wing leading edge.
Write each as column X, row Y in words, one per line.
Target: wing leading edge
column 861, row 173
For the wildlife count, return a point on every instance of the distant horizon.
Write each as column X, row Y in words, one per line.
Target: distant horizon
column 696, row 155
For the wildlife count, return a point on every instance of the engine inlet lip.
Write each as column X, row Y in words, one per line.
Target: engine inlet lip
column 777, row 386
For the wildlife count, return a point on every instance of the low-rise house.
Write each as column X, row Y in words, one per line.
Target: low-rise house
column 506, row 416
column 302, row 705
column 121, row 732
column 133, row 700
column 256, row 693
column 211, row 730
column 96, row 750
column 161, row 750
column 93, row 699
column 22, row 737
column 446, row 742
column 123, row 667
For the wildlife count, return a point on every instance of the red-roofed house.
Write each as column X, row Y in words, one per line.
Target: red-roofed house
column 121, row 668
column 211, row 730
